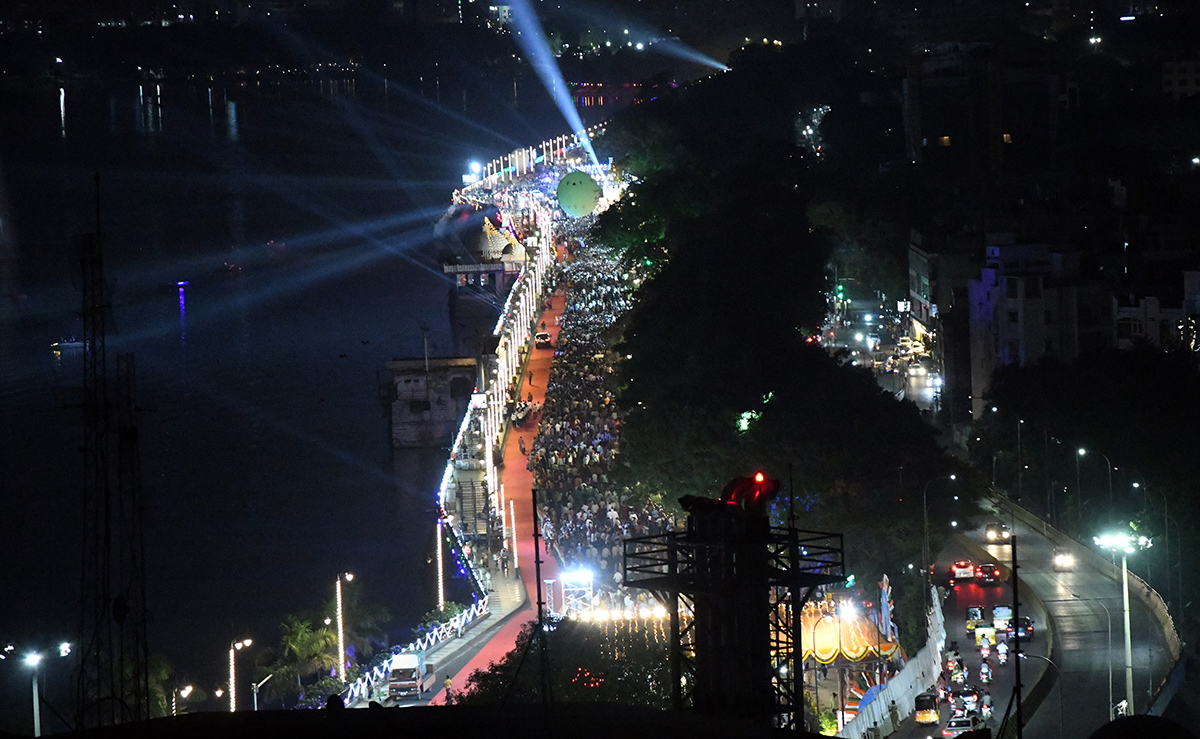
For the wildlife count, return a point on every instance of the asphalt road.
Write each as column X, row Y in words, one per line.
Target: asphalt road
column 1074, row 610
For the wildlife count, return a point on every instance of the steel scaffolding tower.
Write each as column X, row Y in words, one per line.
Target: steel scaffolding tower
column 734, row 585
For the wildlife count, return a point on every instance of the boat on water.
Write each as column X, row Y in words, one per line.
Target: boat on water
column 71, row 343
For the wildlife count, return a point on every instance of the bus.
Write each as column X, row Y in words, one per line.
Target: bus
column 927, row 708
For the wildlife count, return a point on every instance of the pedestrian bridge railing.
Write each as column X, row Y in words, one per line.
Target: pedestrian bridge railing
column 377, row 678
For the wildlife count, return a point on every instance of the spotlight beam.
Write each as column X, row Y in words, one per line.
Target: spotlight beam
column 532, row 40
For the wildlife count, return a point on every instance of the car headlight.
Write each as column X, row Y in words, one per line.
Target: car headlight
column 1007, row 534
column 1063, row 559
column 991, row 535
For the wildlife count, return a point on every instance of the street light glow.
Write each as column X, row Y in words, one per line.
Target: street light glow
column 33, row 659
column 1123, row 542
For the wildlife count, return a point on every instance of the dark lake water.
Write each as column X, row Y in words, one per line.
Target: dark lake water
column 265, row 455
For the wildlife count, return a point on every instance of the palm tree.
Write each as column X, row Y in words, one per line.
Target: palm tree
column 303, row 651
column 363, row 624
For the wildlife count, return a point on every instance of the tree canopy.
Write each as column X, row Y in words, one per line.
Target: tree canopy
column 616, row 662
column 720, row 367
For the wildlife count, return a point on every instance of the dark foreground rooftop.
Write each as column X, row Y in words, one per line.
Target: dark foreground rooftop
column 560, row 721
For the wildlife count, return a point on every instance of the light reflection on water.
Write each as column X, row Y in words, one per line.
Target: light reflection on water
column 264, row 445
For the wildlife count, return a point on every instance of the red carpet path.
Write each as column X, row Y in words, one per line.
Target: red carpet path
column 518, row 485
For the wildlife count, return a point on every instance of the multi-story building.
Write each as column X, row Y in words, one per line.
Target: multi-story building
column 1161, row 321
column 1181, row 77
column 1030, row 302
column 969, row 111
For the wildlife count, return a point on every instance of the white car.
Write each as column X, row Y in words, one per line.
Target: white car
column 963, row 724
column 1063, row 561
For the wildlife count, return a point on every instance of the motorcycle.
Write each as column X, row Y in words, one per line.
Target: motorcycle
column 985, row 650
column 1002, row 655
column 960, row 674
column 985, row 673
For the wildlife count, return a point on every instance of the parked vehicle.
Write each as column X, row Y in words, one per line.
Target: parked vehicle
column 409, row 676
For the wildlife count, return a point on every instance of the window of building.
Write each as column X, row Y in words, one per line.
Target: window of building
column 1049, row 317
column 1033, row 287
column 1008, row 138
column 1010, row 286
column 944, row 141
column 1012, row 316
column 1129, row 328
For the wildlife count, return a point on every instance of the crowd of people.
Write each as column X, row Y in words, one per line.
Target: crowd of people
column 585, row 515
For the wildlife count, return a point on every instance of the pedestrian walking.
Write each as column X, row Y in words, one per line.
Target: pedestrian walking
column 521, row 444
column 531, row 378
column 448, row 683
column 543, row 325
column 504, row 562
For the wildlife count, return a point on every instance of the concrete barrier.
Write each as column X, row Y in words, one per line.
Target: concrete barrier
column 898, row 698
column 1138, row 587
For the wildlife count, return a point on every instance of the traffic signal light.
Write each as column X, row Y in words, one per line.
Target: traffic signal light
column 841, row 291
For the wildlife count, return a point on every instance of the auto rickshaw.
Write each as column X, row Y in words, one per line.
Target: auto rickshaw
column 974, row 617
column 985, row 634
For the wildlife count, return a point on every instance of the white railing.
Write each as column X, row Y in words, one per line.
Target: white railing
column 362, row 688
column 897, row 699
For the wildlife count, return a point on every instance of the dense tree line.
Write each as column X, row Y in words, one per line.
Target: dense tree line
column 722, row 372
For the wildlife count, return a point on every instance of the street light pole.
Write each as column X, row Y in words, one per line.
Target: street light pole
column 1128, row 643
column 925, row 544
column 1107, row 614
column 1128, row 545
column 1020, row 463
column 33, row 660
column 341, row 628
column 176, row 694
column 256, row 686
column 1108, row 462
column 233, row 650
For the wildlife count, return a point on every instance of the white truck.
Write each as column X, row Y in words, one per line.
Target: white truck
column 409, row 676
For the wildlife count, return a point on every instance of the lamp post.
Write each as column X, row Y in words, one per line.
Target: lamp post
column 176, row 694
column 1020, row 462
column 1127, row 544
column 925, row 543
column 234, row 647
column 1060, row 697
column 341, row 627
column 1108, row 614
column 255, row 688
column 1166, row 538
column 1083, row 452
column 33, row 660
